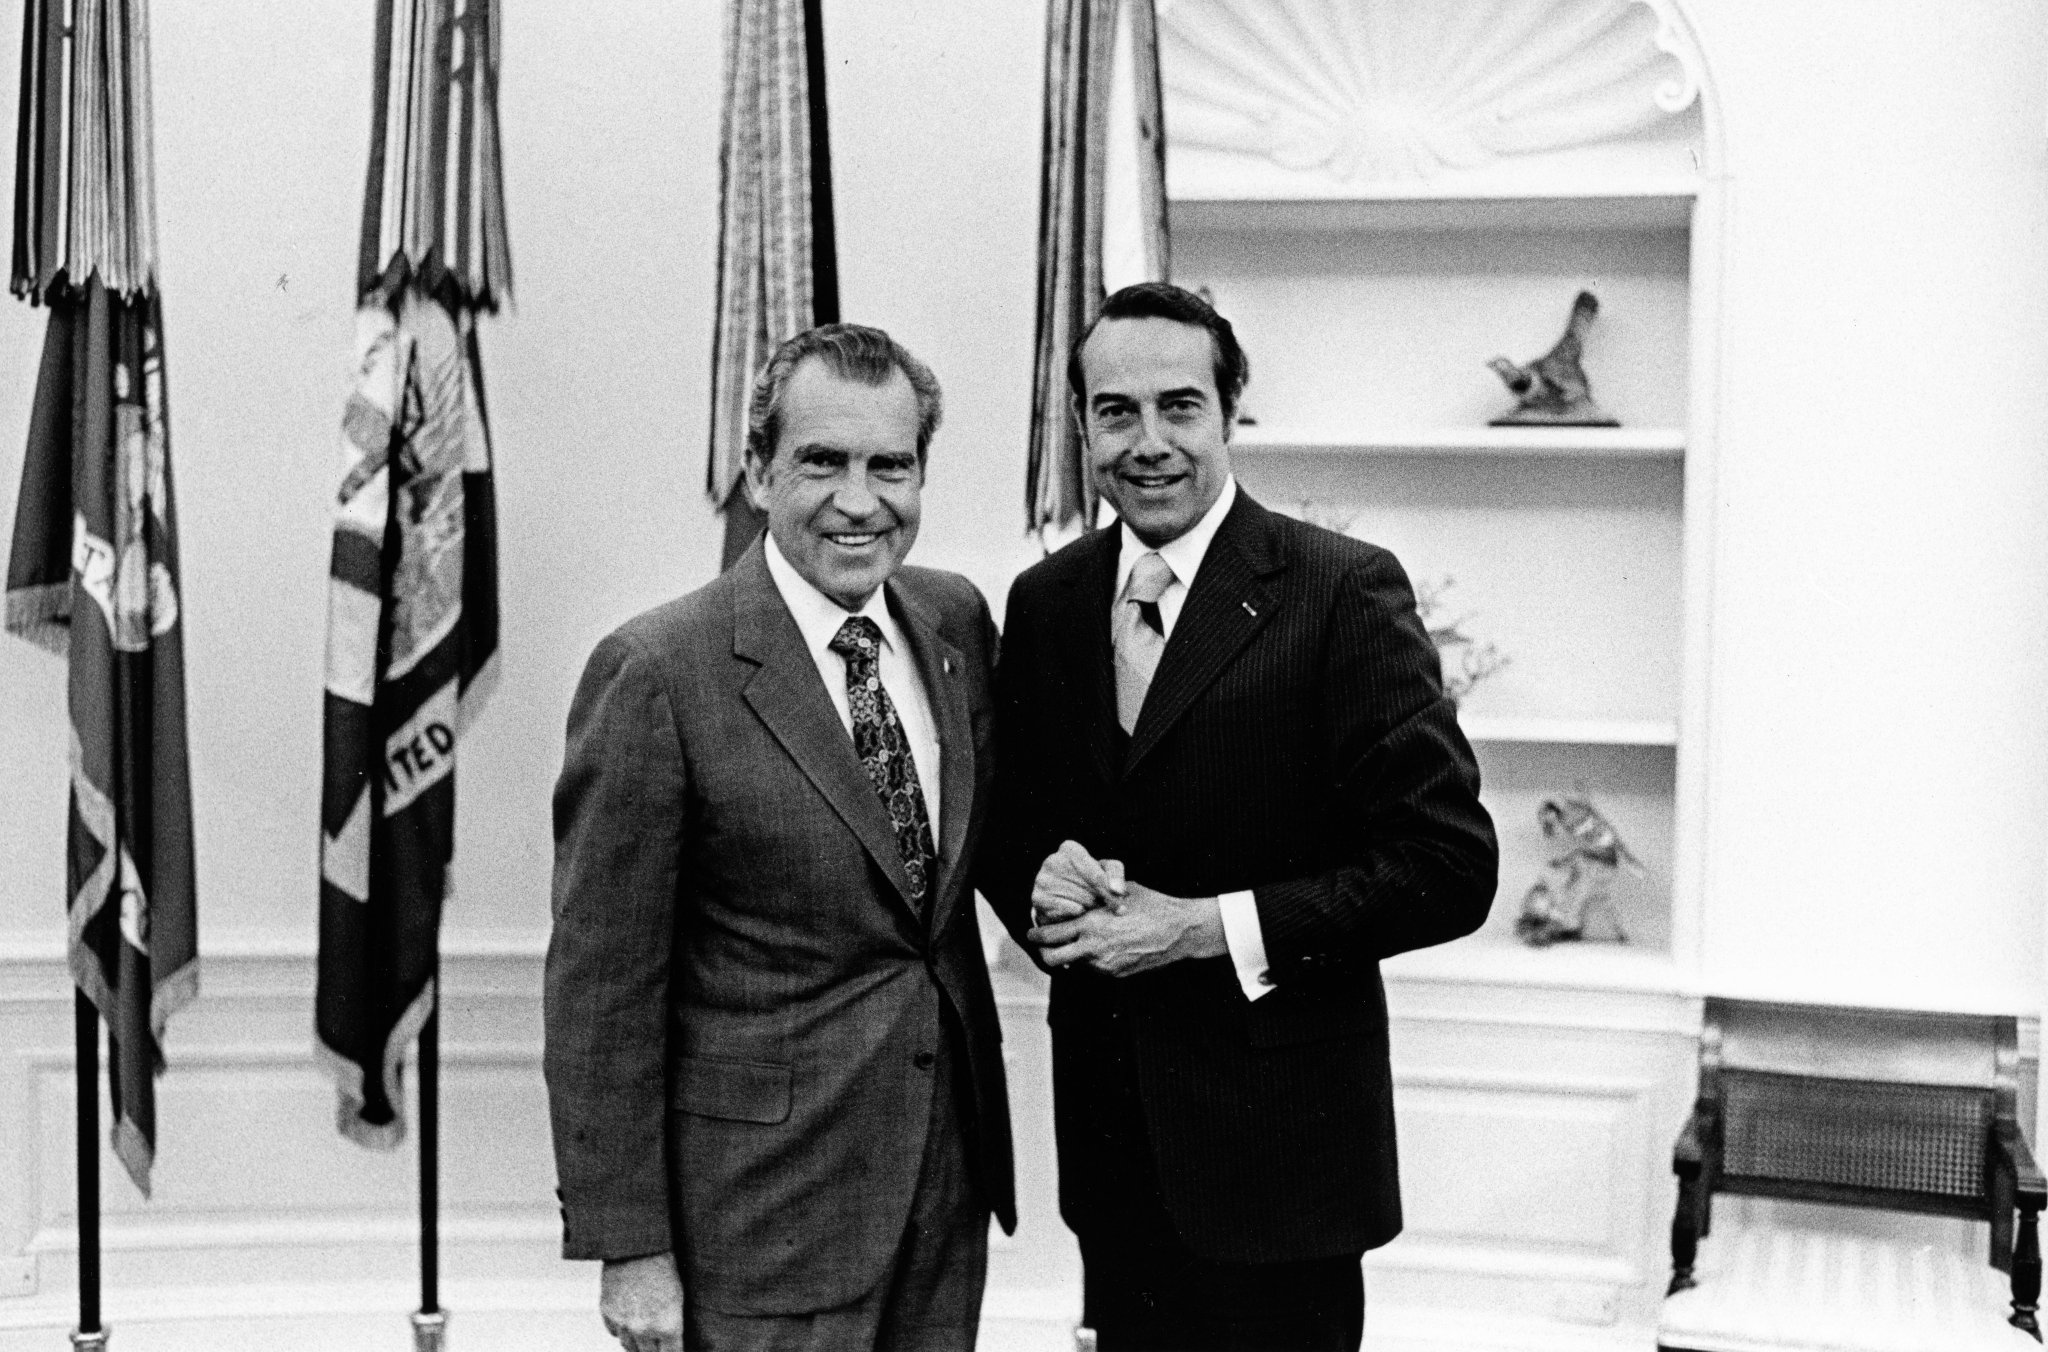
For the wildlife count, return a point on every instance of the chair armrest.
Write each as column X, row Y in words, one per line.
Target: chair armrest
column 2013, row 1153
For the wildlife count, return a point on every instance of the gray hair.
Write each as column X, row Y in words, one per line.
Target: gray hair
column 853, row 352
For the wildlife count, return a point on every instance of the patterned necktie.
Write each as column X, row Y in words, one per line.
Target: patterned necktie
column 885, row 751
column 1139, row 635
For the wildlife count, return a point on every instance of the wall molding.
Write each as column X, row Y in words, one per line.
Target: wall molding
column 1571, row 1094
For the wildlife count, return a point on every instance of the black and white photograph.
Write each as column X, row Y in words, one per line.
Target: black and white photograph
column 1024, row 676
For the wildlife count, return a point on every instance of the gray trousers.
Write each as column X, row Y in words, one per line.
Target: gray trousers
column 931, row 1299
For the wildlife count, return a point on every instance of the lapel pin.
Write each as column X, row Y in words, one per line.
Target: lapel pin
column 1248, row 609
column 947, row 664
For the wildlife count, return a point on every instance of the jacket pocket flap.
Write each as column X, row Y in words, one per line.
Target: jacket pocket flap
column 737, row 1091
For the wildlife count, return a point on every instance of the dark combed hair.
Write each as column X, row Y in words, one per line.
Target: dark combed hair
column 853, row 352
column 1164, row 300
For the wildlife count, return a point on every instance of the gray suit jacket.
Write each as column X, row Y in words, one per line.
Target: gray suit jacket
column 742, row 1006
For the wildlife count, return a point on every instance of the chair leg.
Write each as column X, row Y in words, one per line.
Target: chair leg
column 2026, row 1274
column 1685, row 1234
column 2003, row 1201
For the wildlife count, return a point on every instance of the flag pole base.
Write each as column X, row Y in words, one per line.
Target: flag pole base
column 96, row 1341
column 429, row 1331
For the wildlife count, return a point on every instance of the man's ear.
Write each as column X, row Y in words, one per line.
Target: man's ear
column 757, row 474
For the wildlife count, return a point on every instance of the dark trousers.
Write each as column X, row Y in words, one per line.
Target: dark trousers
column 1144, row 1291
column 930, row 1301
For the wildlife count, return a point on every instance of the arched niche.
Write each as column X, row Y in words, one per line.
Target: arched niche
column 1322, row 98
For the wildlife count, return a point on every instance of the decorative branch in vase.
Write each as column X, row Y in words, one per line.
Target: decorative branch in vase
column 1475, row 661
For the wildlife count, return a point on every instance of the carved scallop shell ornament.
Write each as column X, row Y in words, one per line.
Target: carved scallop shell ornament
column 1401, row 90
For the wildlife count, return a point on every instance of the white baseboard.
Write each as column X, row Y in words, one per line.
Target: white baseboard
column 1421, row 1329
column 557, row 1315
column 560, row 1316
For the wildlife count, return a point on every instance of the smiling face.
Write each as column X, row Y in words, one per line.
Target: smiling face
column 1158, row 444
column 841, row 489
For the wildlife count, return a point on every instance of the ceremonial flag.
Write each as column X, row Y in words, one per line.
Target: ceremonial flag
column 412, row 627
column 1102, row 221
column 778, row 271
column 93, row 569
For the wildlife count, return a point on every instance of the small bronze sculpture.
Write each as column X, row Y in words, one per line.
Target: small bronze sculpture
column 1553, row 389
column 1577, row 889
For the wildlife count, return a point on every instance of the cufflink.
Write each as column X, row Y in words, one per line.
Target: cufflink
column 1265, row 978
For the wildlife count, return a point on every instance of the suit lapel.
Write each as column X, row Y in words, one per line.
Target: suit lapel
column 1230, row 601
column 790, row 699
column 1085, row 648
column 942, row 668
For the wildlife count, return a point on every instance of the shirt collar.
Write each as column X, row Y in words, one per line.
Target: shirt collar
column 1185, row 552
column 817, row 615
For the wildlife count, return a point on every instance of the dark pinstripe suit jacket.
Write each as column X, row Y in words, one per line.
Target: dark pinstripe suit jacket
column 742, row 1006
column 1295, row 741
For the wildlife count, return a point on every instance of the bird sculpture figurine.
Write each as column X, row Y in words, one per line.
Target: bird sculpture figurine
column 1552, row 390
column 1575, row 898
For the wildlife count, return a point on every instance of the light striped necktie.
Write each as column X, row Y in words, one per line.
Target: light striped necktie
column 1138, row 634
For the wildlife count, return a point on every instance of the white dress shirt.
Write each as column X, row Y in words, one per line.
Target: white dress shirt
column 819, row 618
column 1183, row 555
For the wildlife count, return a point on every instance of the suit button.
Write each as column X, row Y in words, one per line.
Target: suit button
column 924, row 1061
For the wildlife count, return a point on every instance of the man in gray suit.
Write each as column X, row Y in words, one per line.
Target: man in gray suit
column 772, row 1057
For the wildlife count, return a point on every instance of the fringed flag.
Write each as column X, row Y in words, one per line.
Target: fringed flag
column 434, row 202
column 412, row 627
column 93, row 572
column 1101, row 224
column 778, row 271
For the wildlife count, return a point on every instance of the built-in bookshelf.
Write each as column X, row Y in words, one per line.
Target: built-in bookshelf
column 1369, row 322
column 1382, row 196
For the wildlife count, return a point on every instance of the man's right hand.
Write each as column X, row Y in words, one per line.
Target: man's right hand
column 641, row 1300
column 1073, row 882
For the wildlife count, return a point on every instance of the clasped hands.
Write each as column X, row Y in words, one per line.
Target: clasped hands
column 1084, row 911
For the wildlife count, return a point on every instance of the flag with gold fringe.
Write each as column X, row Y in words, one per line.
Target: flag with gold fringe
column 412, row 628
column 1102, row 221
column 93, row 569
column 778, row 270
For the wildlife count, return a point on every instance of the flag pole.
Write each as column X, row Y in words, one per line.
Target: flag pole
column 88, row 1336
column 430, row 1323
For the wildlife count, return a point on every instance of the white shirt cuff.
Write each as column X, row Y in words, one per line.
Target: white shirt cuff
column 1246, row 942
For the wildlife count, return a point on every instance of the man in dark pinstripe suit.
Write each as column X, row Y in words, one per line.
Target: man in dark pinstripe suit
column 1228, row 784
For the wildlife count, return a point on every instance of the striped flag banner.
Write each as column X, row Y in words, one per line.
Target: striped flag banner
column 93, row 569
column 412, row 624
column 1102, row 222
column 84, row 166
column 777, row 257
column 93, row 575
column 434, row 199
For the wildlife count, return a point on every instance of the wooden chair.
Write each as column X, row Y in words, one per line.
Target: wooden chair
column 1901, row 1111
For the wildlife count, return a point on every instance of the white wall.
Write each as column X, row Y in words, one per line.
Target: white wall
column 1877, row 784
column 596, row 382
